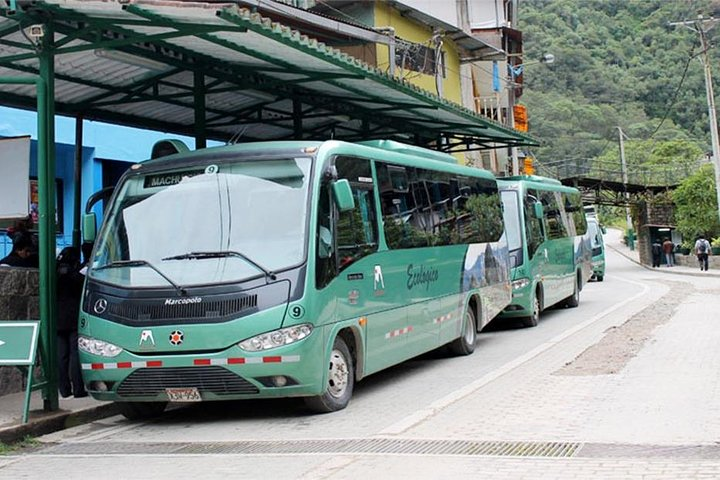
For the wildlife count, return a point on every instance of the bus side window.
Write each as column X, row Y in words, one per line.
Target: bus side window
column 357, row 229
column 326, row 259
column 555, row 224
column 404, row 219
column 573, row 205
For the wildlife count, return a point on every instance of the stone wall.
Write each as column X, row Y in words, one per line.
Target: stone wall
column 19, row 300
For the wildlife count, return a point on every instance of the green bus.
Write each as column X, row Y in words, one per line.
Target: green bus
column 283, row 269
column 548, row 249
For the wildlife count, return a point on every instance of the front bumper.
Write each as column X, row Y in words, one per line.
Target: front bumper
column 226, row 375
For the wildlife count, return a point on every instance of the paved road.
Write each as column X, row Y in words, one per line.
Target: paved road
column 586, row 394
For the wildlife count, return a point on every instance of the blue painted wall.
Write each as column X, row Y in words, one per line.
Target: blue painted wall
column 92, row 181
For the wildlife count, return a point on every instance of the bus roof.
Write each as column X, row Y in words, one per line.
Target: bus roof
column 532, row 178
column 524, row 182
column 393, row 146
column 388, row 150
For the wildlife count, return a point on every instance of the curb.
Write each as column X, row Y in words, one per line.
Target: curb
column 668, row 271
column 56, row 421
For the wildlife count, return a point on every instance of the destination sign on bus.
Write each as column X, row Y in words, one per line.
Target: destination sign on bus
column 168, row 179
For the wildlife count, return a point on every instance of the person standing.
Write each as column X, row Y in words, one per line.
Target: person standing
column 69, row 291
column 702, row 250
column 668, row 246
column 656, row 251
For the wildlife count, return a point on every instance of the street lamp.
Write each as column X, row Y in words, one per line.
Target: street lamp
column 516, row 71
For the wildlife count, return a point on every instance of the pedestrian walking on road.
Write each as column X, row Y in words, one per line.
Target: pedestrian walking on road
column 668, row 247
column 656, row 251
column 702, row 250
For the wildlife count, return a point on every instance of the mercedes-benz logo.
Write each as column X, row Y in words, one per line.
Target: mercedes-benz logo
column 100, row 306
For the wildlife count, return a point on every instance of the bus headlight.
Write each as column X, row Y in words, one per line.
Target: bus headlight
column 98, row 347
column 520, row 283
column 276, row 338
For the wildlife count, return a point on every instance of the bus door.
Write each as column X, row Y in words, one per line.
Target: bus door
column 560, row 247
column 537, row 254
column 362, row 286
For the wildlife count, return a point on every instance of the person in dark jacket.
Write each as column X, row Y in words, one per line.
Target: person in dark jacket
column 69, row 291
column 22, row 253
column 657, row 250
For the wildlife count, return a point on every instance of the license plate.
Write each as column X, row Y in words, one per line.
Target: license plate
column 189, row 394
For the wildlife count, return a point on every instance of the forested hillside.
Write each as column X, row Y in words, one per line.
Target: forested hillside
column 617, row 63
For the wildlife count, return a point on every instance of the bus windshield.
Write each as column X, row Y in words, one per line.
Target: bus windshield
column 216, row 224
column 511, row 215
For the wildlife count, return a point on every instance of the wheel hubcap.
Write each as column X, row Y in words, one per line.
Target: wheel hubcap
column 339, row 374
column 469, row 333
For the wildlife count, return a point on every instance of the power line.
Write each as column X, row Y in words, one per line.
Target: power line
column 677, row 90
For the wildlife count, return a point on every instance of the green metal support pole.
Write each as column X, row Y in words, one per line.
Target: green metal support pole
column 199, row 93
column 46, row 192
column 77, row 192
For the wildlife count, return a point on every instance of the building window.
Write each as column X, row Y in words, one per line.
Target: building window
column 418, row 58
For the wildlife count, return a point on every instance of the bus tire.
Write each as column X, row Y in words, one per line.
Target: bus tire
column 141, row 410
column 341, row 380
column 600, row 278
column 534, row 318
column 573, row 300
column 465, row 344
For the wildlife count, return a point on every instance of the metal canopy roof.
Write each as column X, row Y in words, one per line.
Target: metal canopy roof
column 157, row 63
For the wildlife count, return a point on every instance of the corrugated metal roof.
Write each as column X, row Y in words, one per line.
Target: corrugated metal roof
column 133, row 62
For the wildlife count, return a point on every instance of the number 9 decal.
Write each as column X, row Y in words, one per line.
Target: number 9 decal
column 297, row 311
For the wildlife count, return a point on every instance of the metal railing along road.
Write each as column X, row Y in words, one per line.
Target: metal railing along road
column 646, row 175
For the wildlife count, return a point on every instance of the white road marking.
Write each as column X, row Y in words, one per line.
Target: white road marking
column 442, row 403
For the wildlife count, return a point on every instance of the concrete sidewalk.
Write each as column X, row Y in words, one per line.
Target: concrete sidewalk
column 72, row 412
column 613, row 240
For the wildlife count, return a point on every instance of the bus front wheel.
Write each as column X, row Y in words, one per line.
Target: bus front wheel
column 141, row 410
column 341, row 379
column 465, row 345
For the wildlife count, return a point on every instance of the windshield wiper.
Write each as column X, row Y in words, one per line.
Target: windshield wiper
column 222, row 254
column 142, row 263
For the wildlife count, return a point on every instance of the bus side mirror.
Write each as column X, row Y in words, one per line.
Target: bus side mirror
column 538, row 210
column 603, row 229
column 343, row 195
column 89, row 227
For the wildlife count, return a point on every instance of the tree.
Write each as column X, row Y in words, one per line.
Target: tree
column 696, row 209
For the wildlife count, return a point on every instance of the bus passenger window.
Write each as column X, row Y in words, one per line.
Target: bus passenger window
column 404, row 220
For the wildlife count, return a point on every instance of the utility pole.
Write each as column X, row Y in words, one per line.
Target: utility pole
column 628, row 218
column 698, row 26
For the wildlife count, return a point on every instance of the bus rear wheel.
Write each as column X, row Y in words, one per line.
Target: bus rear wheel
column 574, row 300
column 341, row 380
column 141, row 410
column 465, row 345
column 534, row 318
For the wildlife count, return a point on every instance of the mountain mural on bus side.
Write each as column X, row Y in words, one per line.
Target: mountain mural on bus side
column 485, row 264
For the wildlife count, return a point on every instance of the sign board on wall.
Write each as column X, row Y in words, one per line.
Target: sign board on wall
column 14, row 174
